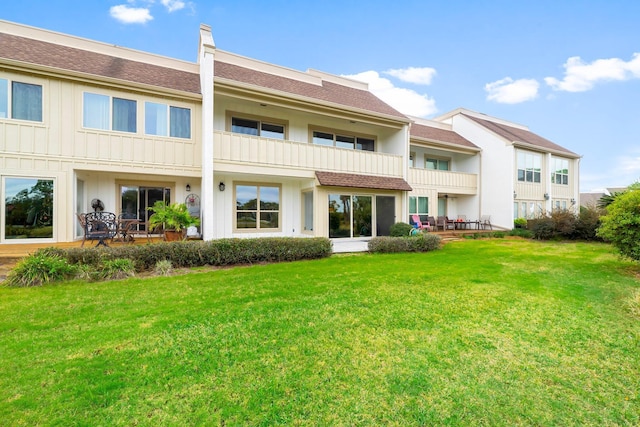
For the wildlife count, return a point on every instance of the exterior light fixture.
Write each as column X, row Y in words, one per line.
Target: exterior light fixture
column 221, row 186
column 515, row 196
column 546, row 196
column 188, row 188
column 573, row 201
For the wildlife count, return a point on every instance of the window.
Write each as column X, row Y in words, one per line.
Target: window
column 107, row 113
column 28, row 208
column 257, row 207
column 307, row 209
column 418, row 205
column 21, row 101
column 529, row 167
column 436, row 164
column 560, row 205
column 163, row 120
column 343, row 141
column 560, row 168
column 257, row 128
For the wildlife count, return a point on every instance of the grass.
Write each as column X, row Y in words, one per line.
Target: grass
column 484, row 332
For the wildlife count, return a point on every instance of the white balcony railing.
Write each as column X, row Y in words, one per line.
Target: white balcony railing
column 253, row 150
column 444, row 181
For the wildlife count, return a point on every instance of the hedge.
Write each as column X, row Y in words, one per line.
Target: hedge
column 420, row 243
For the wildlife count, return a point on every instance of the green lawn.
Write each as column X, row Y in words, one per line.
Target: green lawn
column 484, row 332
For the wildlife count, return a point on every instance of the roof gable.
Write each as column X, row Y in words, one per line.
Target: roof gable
column 516, row 135
column 65, row 58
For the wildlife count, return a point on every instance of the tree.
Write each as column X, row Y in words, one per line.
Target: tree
column 621, row 224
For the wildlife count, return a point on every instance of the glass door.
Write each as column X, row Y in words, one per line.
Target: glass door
column 385, row 214
column 135, row 200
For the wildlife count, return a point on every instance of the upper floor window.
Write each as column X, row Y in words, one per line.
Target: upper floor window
column 21, row 101
column 163, row 119
column 529, row 167
column 343, row 141
column 436, row 164
column 109, row 113
column 560, row 171
column 257, row 127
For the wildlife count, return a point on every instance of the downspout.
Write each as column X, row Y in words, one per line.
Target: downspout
column 206, row 61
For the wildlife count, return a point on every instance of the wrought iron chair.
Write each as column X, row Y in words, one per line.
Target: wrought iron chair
column 100, row 226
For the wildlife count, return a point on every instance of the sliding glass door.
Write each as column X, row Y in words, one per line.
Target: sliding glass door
column 136, row 199
column 354, row 215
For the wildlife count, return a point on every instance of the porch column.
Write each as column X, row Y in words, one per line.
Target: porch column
column 206, row 61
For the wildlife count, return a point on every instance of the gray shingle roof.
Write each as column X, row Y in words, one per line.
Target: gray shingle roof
column 514, row 134
column 67, row 58
column 440, row 135
column 328, row 91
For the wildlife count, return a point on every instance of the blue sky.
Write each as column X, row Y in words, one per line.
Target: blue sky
column 569, row 70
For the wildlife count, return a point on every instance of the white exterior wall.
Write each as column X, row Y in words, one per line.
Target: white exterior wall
column 496, row 179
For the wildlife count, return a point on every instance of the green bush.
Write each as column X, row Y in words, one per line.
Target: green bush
column 163, row 268
column 400, row 229
column 521, row 232
column 588, row 223
column 621, row 224
column 116, row 269
column 107, row 261
column 564, row 224
column 420, row 243
column 38, row 269
column 520, row 223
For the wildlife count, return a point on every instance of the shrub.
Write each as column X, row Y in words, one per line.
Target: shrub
column 400, row 229
column 117, row 269
column 420, row 243
column 498, row 234
column 587, row 224
column 163, row 268
column 107, row 262
column 520, row 223
column 38, row 269
column 621, row 224
column 521, row 232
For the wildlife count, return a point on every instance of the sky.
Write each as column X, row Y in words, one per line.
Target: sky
column 567, row 69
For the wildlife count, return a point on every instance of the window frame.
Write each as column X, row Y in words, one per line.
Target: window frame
column 258, row 210
column 110, row 116
column 438, row 160
column 526, row 170
column 260, row 120
column 9, row 98
column 169, row 128
column 416, row 207
column 52, row 209
column 558, row 172
column 336, row 133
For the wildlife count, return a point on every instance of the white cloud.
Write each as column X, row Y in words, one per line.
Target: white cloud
column 419, row 76
column 404, row 100
column 580, row 76
column 130, row 15
column 509, row 91
column 173, row 5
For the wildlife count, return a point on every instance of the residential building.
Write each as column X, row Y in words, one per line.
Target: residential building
column 255, row 149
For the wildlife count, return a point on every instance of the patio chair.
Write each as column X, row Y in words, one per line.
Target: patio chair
column 100, row 226
column 485, row 221
column 444, row 223
column 432, row 222
column 82, row 221
column 419, row 224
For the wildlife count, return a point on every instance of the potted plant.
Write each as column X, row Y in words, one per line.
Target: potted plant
column 174, row 218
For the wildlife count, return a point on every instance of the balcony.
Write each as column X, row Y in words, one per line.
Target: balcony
column 237, row 149
column 444, row 181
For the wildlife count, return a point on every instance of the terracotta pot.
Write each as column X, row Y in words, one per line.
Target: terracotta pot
column 173, row 235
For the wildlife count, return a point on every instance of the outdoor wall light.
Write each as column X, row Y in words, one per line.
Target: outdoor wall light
column 515, row 195
column 188, row 188
column 573, row 202
column 221, row 186
column 546, row 196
